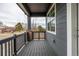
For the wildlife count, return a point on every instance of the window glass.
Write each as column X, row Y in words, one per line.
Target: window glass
column 37, row 22
column 51, row 19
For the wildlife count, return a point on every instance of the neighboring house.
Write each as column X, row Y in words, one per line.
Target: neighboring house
column 6, row 29
column 9, row 29
column 1, row 30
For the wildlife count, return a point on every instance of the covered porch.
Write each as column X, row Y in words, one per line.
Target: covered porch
column 52, row 41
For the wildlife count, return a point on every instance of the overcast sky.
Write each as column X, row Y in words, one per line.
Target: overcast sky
column 39, row 21
column 10, row 14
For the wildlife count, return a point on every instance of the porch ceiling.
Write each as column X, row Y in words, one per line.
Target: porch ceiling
column 37, row 9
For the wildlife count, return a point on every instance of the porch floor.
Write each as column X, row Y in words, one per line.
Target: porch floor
column 37, row 48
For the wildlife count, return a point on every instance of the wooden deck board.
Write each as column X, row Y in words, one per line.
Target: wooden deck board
column 37, row 48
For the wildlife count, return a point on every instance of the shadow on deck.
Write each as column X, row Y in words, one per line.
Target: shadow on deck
column 37, row 48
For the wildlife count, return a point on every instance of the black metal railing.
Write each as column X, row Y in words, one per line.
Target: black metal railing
column 10, row 46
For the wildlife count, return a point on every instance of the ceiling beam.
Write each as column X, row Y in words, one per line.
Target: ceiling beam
column 38, row 14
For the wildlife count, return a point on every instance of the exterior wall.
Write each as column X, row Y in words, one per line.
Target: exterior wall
column 60, row 43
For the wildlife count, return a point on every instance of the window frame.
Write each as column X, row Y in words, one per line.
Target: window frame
column 50, row 31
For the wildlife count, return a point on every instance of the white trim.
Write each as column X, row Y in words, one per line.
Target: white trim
column 69, row 31
column 52, row 32
column 72, row 29
column 55, row 18
column 51, row 8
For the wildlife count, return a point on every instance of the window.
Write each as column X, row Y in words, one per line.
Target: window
column 51, row 19
column 36, row 22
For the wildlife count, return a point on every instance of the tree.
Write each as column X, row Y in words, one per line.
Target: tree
column 40, row 28
column 18, row 27
column 1, row 23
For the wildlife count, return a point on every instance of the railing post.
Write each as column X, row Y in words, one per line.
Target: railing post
column 45, row 35
column 32, row 35
column 39, row 35
column 1, row 50
column 15, row 52
column 25, row 37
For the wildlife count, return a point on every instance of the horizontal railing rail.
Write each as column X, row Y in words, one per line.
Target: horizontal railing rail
column 4, row 40
column 10, row 46
column 20, row 41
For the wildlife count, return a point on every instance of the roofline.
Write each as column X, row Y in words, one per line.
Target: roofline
column 23, row 8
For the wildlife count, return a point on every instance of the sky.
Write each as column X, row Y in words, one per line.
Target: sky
column 39, row 21
column 11, row 14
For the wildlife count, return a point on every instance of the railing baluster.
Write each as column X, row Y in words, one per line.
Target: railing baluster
column 1, row 49
column 32, row 35
column 25, row 37
column 45, row 35
column 5, row 49
column 39, row 35
column 9, row 48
